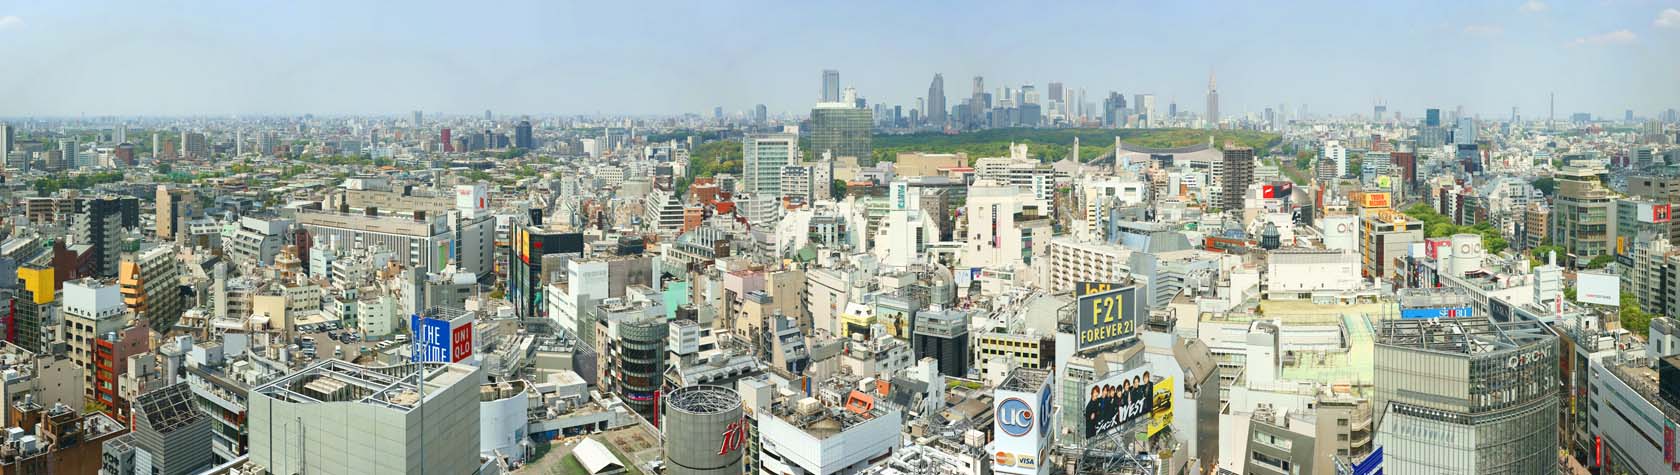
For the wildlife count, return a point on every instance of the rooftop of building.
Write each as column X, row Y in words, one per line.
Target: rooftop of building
column 1024, row 380
column 333, row 380
column 1465, row 335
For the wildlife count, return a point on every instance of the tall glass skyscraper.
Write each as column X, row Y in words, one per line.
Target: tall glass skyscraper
column 831, row 86
column 936, row 101
column 841, row 131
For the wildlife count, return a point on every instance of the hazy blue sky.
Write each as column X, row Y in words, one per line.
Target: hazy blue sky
column 388, row 57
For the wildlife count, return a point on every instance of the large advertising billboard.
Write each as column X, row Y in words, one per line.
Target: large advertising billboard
column 1162, row 414
column 1602, row 289
column 1115, row 402
column 1654, row 213
column 1106, row 316
column 1377, row 200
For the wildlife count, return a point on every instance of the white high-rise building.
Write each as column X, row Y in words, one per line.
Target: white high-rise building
column 763, row 157
column 1337, row 154
column 6, row 137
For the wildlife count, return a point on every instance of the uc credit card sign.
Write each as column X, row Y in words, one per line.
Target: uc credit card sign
column 441, row 341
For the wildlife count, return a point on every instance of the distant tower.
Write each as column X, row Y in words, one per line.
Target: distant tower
column 1212, row 102
column 831, row 85
column 977, row 104
column 936, row 101
column 6, row 138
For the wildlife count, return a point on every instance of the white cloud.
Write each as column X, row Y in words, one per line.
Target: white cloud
column 1483, row 30
column 1535, row 6
column 1612, row 38
column 8, row 22
column 1669, row 18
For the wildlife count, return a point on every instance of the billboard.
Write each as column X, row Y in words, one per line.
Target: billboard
column 470, row 198
column 1654, row 213
column 1161, row 415
column 1602, row 289
column 1081, row 289
column 1115, row 402
column 1436, row 312
column 438, row 340
column 1277, row 190
column 1106, row 317
column 1376, row 200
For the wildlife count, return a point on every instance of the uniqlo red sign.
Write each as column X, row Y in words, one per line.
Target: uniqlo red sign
column 461, row 342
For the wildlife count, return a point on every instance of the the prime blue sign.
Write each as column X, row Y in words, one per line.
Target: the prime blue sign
column 1448, row 312
column 430, row 341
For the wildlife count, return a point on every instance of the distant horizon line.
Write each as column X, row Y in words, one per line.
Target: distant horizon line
column 1562, row 115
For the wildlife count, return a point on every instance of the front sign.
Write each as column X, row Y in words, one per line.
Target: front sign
column 1106, row 317
column 1015, row 417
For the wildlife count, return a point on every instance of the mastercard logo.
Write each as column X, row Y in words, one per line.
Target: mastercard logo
column 1006, row 459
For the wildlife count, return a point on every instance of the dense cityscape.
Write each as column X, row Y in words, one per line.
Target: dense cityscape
column 1021, row 276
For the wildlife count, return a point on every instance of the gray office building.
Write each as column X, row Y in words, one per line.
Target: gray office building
column 335, row 417
column 172, row 433
column 1467, row 395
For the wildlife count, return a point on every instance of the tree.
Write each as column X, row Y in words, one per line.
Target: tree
column 1440, row 230
column 1538, row 255
column 1494, row 244
column 1600, row 261
column 1633, row 318
column 838, row 189
column 1546, row 185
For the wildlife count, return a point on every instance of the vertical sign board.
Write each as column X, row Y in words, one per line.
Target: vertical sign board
column 900, row 195
column 1020, row 430
column 1161, row 415
column 431, row 340
column 1105, row 317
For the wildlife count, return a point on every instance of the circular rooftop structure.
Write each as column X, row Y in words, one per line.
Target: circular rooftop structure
column 704, row 399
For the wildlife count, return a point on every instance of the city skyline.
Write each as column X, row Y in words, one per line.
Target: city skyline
column 580, row 59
